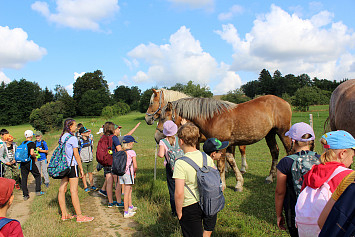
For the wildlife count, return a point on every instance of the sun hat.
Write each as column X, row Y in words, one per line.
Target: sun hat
column 84, row 130
column 28, row 133
column 339, row 140
column 38, row 133
column 213, row 144
column 101, row 130
column 8, row 137
column 298, row 130
column 6, row 188
column 128, row 139
column 169, row 128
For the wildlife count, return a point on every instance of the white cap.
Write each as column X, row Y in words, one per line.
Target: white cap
column 28, row 133
column 101, row 130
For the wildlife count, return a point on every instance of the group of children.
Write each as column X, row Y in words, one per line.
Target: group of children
column 297, row 174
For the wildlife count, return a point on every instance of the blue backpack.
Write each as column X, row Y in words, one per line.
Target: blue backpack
column 341, row 219
column 209, row 186
column 21, row 154
column 58, row 166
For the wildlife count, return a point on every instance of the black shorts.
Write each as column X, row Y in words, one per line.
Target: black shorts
column 107, row 170
column 192, row 219
column 74, row 172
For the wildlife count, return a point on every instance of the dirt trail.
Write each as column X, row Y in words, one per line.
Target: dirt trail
column 108, row 221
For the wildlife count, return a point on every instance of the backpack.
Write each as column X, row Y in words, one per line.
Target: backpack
column 341, row 219
column 58, row 166
column 42, row 146
column 104, row 150
column 83, row 144
column 4, row 221
column 311, row 202
column 119, row 163
column 302, row 163
column 21, row 154
column 174, row 152
column 209, row 185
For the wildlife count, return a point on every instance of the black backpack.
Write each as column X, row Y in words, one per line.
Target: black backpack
column 119, row 163
column 341, row 219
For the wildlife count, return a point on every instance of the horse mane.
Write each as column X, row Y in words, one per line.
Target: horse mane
column 169, row 95
column 191, row 108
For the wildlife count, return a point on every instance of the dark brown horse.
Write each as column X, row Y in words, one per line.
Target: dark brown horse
column 342, row 107
column 160, row 98
column 242, row 124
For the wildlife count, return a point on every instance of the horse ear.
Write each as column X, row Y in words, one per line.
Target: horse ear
column 155, row 92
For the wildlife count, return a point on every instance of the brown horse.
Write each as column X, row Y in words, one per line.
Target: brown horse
column 242, row 124
column 342, row 107
column 160, row 98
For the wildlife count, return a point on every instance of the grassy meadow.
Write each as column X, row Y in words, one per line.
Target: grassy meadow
column 247, row 213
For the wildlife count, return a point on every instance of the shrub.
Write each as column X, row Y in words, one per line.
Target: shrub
column 48, row 117
column 107, row 112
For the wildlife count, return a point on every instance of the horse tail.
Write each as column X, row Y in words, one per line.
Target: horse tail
column 326, row 126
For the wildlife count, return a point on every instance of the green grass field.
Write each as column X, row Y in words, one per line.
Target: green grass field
column 248, row 213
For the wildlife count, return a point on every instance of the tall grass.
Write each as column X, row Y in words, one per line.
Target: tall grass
column 247, row 213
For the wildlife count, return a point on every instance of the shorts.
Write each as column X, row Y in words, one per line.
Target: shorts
column 74, row 172
column 126, row 179
column 107, row 170
column 88, row 167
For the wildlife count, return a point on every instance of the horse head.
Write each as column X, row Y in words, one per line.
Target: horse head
column 155, row 105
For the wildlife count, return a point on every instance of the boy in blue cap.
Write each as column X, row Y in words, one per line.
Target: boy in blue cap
column 212, row 147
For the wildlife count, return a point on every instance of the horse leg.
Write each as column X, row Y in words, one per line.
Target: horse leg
column 244, row 167
column 274, row 150
column 221, row 163
column 238, row 175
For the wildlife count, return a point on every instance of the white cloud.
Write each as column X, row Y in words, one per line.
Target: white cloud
column 78, row 14
column 279, row 40
column 194, row 3
column 180, row 61
column 4, row 78
column 16, row 50
column 76, row 75
column 234, row 10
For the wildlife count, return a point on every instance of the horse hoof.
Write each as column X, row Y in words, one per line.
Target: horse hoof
column 268, row 181
column 243, row 171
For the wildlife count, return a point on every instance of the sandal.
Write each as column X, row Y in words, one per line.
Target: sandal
column 84, row 219
column 68, row 217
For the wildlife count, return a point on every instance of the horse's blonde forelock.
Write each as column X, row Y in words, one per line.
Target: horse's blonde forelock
column 169, row 95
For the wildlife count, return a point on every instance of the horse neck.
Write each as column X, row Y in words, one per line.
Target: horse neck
column 170, row 96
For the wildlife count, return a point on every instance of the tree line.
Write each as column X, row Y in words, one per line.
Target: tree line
column 24, row 101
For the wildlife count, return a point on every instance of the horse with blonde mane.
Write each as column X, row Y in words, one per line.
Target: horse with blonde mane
column 241, row 124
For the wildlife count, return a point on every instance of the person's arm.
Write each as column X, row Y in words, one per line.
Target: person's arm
column 324, row 215
column 179, row 196
column 134, row 160
column 133, row 129
column 161, row 151
column 279, row 198
column 78, row 160
column 45, row 150
column 4, row 159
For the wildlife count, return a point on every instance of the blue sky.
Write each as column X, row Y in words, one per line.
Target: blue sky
column 221, row 44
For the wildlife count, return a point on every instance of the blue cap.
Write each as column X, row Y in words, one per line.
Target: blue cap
column 339, row 140
column 128, row 139
column 213, row 144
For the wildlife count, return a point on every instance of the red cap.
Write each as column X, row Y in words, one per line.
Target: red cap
column 6, row 188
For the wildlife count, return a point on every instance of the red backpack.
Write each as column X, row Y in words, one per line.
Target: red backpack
column 104, row 150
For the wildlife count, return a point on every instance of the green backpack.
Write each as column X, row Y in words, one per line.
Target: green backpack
column 302, row 163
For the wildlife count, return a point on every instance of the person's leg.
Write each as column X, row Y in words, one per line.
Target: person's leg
column 126, row 197
column 209, row 222
column 25, row 170
column 171, row 187
column 37, row 177
column 61, row 197
column 117, row 188
column 45, row 172
column 91, row 179
column 74, row 195
column 191, row 221
column 109, row 183
column 104, row 185
column 84, row 181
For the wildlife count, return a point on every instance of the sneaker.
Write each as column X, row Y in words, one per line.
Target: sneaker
column 39, row 193
column 93, row 188
column 128, row 215
column 110, row 205
column 132, row 209
column 25, row 198
column 87, row 190
column 84, row 219
column 47, row 185
column 120, row 204
column 103, row 193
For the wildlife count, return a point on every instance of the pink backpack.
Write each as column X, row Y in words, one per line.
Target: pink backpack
column 310, row 204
